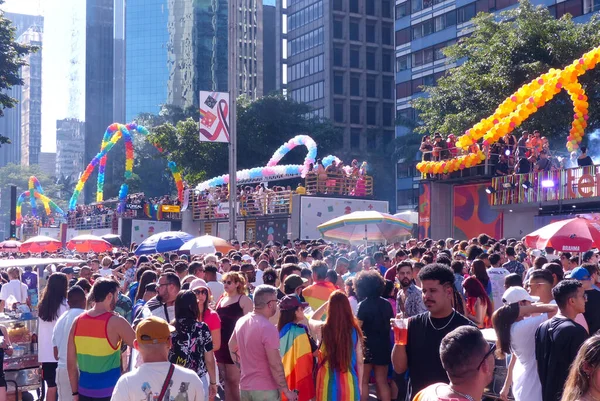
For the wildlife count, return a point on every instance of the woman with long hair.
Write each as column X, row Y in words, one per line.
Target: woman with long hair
column 374, row 314
column 583, row 383
column 191, row 342
column 479, row 270
column 297, row 347
column 149, row 276
column 207, row 315
column 53, row 303
column 479, row 307
column 233, row 304
column 340, row 366
column 516, row 335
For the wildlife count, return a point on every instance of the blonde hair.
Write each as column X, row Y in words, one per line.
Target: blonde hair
column 237, row 277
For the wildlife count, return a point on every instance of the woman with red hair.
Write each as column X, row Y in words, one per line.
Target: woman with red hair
column 340, row 365
column 479, row 306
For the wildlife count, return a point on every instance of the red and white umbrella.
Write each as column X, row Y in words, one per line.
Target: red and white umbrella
column 571, row 235
column 89, row 243
column 40, row 244
column 10, row 246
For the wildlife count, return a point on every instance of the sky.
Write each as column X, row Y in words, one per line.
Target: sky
column 56, row 68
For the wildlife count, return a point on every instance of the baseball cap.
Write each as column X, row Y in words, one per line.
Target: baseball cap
column 198, row 283
column 290, row 302
column 517, row 294
column 580, row 273
column 67, row 270
column 153, row 330
column 294, row 281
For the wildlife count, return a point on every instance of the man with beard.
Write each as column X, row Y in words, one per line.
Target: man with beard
column 94, row 352
column 410, row 297
column 163, row 305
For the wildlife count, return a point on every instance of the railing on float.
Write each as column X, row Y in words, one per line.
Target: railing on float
column 253, row 205
column 339, row 184
column 537, row 187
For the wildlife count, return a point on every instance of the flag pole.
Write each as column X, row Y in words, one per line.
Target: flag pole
column 232, row 87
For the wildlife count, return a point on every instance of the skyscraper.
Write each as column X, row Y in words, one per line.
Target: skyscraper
column 338, row 57
column 269, row 64
column 69, row 153
column 31, row 98
column 176, row 48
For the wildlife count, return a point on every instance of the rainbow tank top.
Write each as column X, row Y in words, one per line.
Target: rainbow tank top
column 99, row 362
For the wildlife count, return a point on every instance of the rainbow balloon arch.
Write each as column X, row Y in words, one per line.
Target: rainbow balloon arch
column 36, row 192
column 112, row 135
column 273, row 170
column 518, row 107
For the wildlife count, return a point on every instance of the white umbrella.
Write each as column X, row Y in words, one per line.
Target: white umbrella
column 409, row 215
column 206, row 244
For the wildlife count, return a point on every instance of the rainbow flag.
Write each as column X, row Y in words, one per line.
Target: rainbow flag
column 318, row 293
column 333, row 385
column 298, row 361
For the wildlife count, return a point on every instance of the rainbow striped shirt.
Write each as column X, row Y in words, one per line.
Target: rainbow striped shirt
column 318, row 293
column 99, row 362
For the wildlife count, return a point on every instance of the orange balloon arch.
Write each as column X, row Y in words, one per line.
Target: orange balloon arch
column 518, row 107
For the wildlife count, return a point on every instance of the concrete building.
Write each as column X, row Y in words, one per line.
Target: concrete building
column 31, row 98
column 69, row 152
column 47, row 162
column 269, row 64
column 337, row 57
column 176, row 48
column 422, row 29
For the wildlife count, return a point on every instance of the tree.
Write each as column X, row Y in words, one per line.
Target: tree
column 503, row 53
column 11, row 60
column 262, row 126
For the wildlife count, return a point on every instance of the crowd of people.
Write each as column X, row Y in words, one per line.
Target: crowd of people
column 308, row 320
column 529, row 153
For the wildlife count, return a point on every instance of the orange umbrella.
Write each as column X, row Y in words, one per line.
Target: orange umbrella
column 41, row 243
column 89, row 243
column 206, row 244
column 10, row 246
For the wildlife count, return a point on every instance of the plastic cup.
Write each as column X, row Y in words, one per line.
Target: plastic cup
column 400, row 327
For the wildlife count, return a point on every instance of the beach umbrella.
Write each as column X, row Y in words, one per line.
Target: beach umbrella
column 114, row 239
column 89, row 243
column 571, row 235
column 366, row 226
column 163, row 242
column 40, row 244
column 10, row 246
column 206, row 244
column 408, row 215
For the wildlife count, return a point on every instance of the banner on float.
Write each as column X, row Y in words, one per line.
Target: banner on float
column 133, row 206
column 171, row 208
column 214, row 116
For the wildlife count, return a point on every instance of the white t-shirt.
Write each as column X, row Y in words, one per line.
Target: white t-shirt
column 216, row 288
column 259, row 278
column 45, row 329
column 496, row 275
column 526, row 382
column 15, row 288
column 60, row 334
column 105, row 272
column 146, row 382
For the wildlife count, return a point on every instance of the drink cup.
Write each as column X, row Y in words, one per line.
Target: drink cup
column 400, row 327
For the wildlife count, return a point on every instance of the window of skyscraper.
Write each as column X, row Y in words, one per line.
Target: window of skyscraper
column 370, row 7
column 305, row 42
column 338, row 83
column 402, row 9
column 354, row 85
column 403, row 89
column 370, row 57
column 338, row 28
column 465, row 13
column 355, row 112
column 429, row 80
column 402, row 36
column 338, row 5
column 371, row 113
column 386, row 9
column 305, row 16
column 338, row 111
column 386, row 34
column 403, row 62
column 371, row 140
column 353, row 6
column 355, row 138
column 354, row 57
column 370, row 32
column 386, row 61
column 387, row 114
column 573, row 7
column 387, row 87
column 591, row 6
column 371, row 85
column 338, row 56
column 354, row 29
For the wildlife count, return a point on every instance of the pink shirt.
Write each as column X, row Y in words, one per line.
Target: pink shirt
column 255, row 334
column 212, row 320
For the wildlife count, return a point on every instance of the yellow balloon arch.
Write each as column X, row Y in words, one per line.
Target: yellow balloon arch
column 518, row 107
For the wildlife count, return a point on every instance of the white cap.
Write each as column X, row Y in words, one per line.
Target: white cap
column 198, row 283
column 517, row 294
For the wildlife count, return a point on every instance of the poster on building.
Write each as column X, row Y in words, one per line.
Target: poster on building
column 214, row 116
column 272, row 230
column 142, row 229
column 424, row 210
column 473, row 214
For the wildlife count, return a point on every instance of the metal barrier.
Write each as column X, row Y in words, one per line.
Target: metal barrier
column 92, row 221
column 339, row 184
column 253, row 204
column 555, row 185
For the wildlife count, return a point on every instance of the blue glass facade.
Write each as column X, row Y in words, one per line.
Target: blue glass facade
column 147, row 60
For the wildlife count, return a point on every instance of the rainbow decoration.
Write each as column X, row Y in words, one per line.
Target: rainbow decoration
column 518, row 107
column 35, row 192
column 112, row 135
column 272, row 168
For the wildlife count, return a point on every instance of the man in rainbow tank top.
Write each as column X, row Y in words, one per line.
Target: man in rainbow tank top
column 94, row 346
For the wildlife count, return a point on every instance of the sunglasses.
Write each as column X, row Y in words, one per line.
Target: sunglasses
column 229, row 282
column 490, row 352
column 198, row 292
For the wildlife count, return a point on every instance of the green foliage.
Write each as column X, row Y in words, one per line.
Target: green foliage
column 503, row 53
column 262, row 126
column 11, row 59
